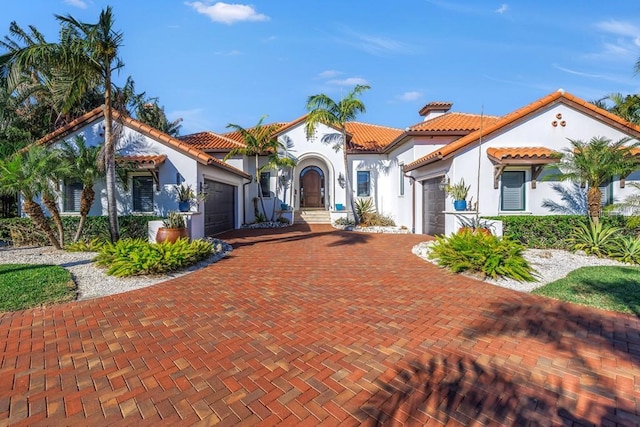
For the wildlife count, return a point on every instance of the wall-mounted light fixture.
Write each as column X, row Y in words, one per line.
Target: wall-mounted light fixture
column 444, row 183
column 341, row 180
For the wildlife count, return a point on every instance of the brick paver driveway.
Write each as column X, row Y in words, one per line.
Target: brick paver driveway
column 306, row 327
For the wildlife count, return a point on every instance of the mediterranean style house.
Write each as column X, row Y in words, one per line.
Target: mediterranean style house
column 404, row 171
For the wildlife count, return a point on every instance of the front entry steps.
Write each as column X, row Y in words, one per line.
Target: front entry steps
column 312, row 216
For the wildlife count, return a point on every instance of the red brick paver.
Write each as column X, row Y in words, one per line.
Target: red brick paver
column 319, row 327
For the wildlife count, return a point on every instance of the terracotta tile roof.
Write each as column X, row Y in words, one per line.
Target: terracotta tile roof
column 509, row 119
column 237, row 136
column 145, row 129
column 454, row 123
column 435, row 106
column 144, row 161
column 367, row 137
column 523, row 153
column 210, row 141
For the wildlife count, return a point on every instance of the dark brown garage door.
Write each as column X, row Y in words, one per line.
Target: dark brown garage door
column 433, row 200
column 219, row 208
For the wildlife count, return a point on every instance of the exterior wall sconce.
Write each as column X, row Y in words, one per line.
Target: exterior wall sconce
column 203, row 187
column 442, row 185
column 341, row 181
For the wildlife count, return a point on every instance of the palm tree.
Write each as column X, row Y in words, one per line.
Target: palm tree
column 96, row 57
column 594, row 163
column 83, row 60
column 23, row 173
column 258, row 140
column 82, row 162
column 323, row 109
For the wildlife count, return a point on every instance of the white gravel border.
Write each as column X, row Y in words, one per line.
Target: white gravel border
column 92, row 281
column 550, row 265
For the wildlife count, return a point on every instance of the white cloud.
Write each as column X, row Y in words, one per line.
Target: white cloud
column 349, row 81
column 410, row 96
column 373, row 44
column 502, row 9
column 77, row 3
column 619, row 28
column 329, row 74
column 578, row 73
column 227, row 13
column 622, row 40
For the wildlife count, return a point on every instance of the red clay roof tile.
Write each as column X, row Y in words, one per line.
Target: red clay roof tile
column 144, row 160
column 529, row 153
column 367, row 137
column 210, row 141
column 512, row 117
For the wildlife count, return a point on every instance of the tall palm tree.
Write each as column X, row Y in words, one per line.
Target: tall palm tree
column 82, row 163
column 594, row 163
column 323, row 109
column 23, row 174
column 95, row 54
column 258, row 141
column 84, row 59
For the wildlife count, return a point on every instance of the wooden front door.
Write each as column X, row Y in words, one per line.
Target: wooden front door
column 311, row 189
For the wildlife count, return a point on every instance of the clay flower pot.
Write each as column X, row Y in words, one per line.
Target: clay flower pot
column 171, row 234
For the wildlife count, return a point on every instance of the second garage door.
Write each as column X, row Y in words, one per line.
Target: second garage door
column 219, row 208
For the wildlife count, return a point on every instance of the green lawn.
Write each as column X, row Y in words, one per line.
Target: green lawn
column 605, row 287
column 29, row 285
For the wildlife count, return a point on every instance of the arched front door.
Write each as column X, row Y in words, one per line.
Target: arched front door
column 312, row 187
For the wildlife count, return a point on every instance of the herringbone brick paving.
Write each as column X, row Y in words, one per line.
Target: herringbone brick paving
column 311, row 326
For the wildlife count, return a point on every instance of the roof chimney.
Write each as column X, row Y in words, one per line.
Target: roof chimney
column 434, row 109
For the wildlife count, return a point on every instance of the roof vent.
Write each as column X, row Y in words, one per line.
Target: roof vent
column 434, row 109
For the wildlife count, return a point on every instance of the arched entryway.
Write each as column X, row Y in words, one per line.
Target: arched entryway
column 312, row 187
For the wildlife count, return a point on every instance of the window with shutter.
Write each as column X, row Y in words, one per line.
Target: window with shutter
column 607, row 193
column 364, row 183
column 512, row 191
column 72, row 193
column 142, row 194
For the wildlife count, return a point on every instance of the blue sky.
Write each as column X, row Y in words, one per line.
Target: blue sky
column 214, row 63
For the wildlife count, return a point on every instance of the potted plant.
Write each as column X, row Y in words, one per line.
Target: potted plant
column 173, row 228
column 474, row 225
column 459, row 194
column 187, row 197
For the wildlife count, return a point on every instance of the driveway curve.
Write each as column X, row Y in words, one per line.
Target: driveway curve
column 313, row 326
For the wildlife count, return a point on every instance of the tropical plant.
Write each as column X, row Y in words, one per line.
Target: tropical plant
column 364, row 209
column 625, row 106
column 82, row 164
column 595, row 162
column 480, row 253
column 594, row 238
column 258, row 141
column 626, row 249
column 325, row 110
column 278, row 162
column 83, row 60
column 129, row 257
column 174, row 220
column 185, row 193
column 458, row 191
column 23, row 174
column 149, row 112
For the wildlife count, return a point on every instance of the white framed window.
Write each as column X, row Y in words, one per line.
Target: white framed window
column 607, row 193
column 364, row 184
column 512, row 191
column 72, row 196
column 142, row 190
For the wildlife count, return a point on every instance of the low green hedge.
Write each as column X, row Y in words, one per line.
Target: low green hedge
column 552, row 231
column 22, row 232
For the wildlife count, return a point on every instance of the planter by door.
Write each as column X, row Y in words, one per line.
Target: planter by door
column 460, row 205
column 183, row 206
column 171, row 234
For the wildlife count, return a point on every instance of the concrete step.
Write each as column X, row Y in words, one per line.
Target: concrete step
column 313, row 216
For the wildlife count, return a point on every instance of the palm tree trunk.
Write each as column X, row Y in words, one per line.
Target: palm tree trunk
column 110, row 162
column 34, row 211
column 347, row 178
column 86, row 200
column 52, row 206
column 594, row 203
column 264, row 210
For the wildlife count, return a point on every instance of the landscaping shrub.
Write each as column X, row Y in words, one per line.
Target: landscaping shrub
column 551, row 231
column 481, row 253
column 21, row 232
column 626, row 249
column 130, row 257
column 594, row 238
column 378, row 220
column 344, row 221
